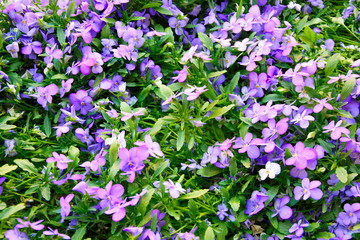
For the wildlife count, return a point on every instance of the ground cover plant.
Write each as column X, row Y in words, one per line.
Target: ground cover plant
column 185, row 120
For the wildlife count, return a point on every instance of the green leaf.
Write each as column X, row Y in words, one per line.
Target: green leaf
column 79, row 234
column 245, row 162
column 343, row 113
column 144, row 93
column 125, row 107
column 341, row 185
column 7, row 212
column 218, row 112
column 325, row 235
column 233, row 83
column 331, row 64
column 105, row 32
column 114, row 169
column 301, row 24
column 60, row 36
column 145, row 200
column 209, row 234
column 163, row 11
column 161, row 168
column 6, row 127
column 113, row 152
column 284, row 227
column 73, row 153
column 7, row 168
column 341, row 174
column 233, row 167
column 59, row 76
column 216, row 74
column 47, row 126
column 209, row 171
column 312, row 92
column 45, row 192
column 26, row 165
column 151, row 5
column 1, row 39
column 71, row 9
column 327, row 146
column 272, row 193
column 273, row 97
column 206, row 41
column 180, row 140
column 235, row 203
column 348, row 87
column 2, row 205
column 194, row 194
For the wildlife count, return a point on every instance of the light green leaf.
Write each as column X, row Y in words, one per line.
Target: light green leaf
column 209, row 234
column 47, row 126
column 233, row 83
column 209, row 171
column 2, row 205
column 326, row 235
column 151, row 5
column 161, row 168
column 6, row 127
column 206, row 41
column 348, row 87
column 194, row 194
column 71, row 9
column 26, row 165
column 7, row 212
column 45, row 192
column 341, row 174
column 235, row 203
column 245, row 162
column 61, row 36
column 125, row 107
column 180, row 140
column 114, row 169
column 216, row 74
column 163, row 11
column 7, row 168
column 331, row 64
column 79, row 234
column 113, row 152
column 218, row 112
column 145, row 200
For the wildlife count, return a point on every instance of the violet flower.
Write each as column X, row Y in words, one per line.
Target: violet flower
column 134, row 37
column 65, row 86
column 15, row 234
column 81, row 101
column 132, row 160
column 321, row 104
column 2, row 180
column 61, row 160
column 249, row 145
column 30, row 46
column 336, row 130
column 300, row 155
column 65, row 206
column 281, row 209
column 35, row 225
column 222, row 213
column 256, row 203
column 177, row 24
column 55, row 232
column 351, row 216
column 44, row 94
column 308, row 189
column 153, row 147
column 298, row 228
column 110, row 195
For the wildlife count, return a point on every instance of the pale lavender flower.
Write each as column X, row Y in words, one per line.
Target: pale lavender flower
column 81, row 101
column 194, row 92
column 256, row 203
column 308, row 189
column 127, row 115
column 249, row 145
column 336, row 130
column 321, row 104
column 65, row 206
column 177, row 24
column 13, row 49
column 65, row 86
column 55, row 232
column 222, row 211
column 281, row 209
column 351, row 216
column 298, row 228
column 303, row 118
column 35, row 225
column 153, row 147
column 61, row 160
column 15, row 234
column 174, row 189
column 44, row 94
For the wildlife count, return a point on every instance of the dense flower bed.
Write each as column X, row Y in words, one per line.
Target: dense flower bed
column 179, row 120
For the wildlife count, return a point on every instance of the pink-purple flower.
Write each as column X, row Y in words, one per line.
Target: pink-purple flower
column 308, row 189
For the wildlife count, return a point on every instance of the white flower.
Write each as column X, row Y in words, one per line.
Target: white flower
column 271, row 169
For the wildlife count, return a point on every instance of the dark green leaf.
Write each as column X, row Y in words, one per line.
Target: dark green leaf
column 161, row 168
column 180, row 140
column 348, row 87
column 163, row 10
column 47, row 126
column 209, row 171
column 79, row 234
column 206, row 41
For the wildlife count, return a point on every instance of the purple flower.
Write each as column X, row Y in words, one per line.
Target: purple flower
column 194, row 92
column 153, row 147
column 55, row 232
column 15, row 234
column 228, row 60
column 182, row 74
column 249, row 61
column 35, row 225
column 52, row 53
column 44, row 94
column 81, row 101
column 336, row 130
column 303, row 118
column 30, row 46
column 249, row 145
column 281, row 209
column 321, row 104
column 351, row 216
column 300, row 155
column 24, row 22
column 110, row 195
column 65, row 86
column 177, row 24
column 2, row 179
column 256, row 203
column 84, row 136
column 222, row 213
column 65, row 206
column 61, row 160
column 298, row 228
column 329, row 45
column 173, row 188
column 134, row 37
column 308, row 189
column 132, row 160
column 134, row 231
column 275, row 128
